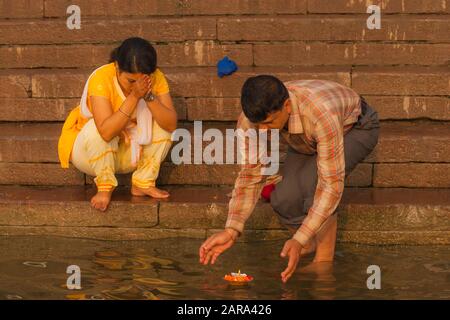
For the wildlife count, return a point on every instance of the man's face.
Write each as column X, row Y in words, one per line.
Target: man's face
column 277, row 119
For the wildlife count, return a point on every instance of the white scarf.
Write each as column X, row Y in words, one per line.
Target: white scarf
column 140, row 134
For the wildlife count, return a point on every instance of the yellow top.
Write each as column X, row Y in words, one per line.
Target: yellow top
column 104, row 84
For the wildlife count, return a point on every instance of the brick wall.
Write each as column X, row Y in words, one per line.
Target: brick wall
column 402, row 69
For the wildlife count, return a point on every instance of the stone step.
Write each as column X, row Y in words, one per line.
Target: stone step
column 366, row 215
column 195, row 82
column 51, row 174
column 209, row 52
column 408, row 154
column 105, row 8
column 419, row 141
column 338, row 27
column 223, row 109
column 184, row 82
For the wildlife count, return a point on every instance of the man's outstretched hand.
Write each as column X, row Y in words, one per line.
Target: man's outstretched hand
column 216, row 245
column 291, row 250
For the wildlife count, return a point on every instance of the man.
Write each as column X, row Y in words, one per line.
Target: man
column 329, row 129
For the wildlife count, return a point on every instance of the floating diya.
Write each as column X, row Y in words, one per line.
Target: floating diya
column 238, row 278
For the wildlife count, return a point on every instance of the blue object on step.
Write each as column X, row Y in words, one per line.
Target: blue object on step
column 226, row 67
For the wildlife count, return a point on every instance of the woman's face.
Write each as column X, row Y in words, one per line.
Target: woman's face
column 127, row 81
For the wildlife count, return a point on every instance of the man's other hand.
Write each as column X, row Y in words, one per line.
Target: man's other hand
column 216, row 245
column 291, row 250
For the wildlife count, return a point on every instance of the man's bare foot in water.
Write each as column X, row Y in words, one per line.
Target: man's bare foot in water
column 101, row 200
column 310, row 248
column 326, row 240
column 152, row 192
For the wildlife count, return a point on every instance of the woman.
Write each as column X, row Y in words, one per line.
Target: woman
column 123, row 123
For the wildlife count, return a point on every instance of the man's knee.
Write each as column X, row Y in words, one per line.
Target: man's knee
column 286, row 202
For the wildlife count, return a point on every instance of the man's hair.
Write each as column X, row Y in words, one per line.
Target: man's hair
column 262, row 95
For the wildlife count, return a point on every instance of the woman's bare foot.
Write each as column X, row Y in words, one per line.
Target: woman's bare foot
column 151, row 191
column 101, row 200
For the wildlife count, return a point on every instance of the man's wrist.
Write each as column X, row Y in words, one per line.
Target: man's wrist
column 233, row 233
column 297, row 242
column 300, row 238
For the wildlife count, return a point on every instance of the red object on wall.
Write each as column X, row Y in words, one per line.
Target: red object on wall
column 266, row 191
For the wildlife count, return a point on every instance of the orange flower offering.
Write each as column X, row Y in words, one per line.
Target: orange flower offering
column 237, row 278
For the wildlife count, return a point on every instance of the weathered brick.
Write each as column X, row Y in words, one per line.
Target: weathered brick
column 361, row 176
column 180, row 107
column 12, row 9
column 54, row 56
column 58, row 84
column 395, row 237
column 211, row 215
column 412, row 142
column 197, row 53
column 29, row 143
column 70, row 207
column 30, row 109
column 426, row 81
column 300, row 53
column 335, row 28
column 14, row 84
column 389, row 209
column 412, row 175
column 398, row 142
column 218, row 109
column 192, row 82
column 226, row 175
column 410, row 107
column 207, row 208
column 203, row 53
column 57, row 8
column 111, row 30
column 184, row 82
column 388, row 107
column 366, row 215
column 103, row 233
column 386, row 6
column 39, row 174
column 201, row 174
column 35, row 109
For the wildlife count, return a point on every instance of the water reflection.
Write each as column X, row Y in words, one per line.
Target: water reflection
column 113, row 268
column 35, row 268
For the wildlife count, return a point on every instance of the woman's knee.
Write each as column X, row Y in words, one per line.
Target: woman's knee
column 93, row 137
column 159, row 133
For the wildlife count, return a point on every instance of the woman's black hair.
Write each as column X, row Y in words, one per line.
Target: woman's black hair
column 135, row 55
column 262, row 95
